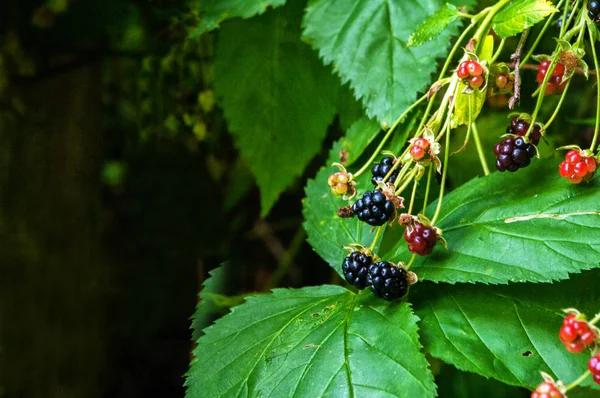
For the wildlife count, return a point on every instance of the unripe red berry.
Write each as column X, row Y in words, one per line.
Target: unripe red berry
column 463, row 71
column 476, row 81
column 591, row 164
column 580, row 169
column 546, row 390
column 421, row 143
column 565, row 169
column 559, row 70
column 575, row 180
column 573, row 157
column 417, row 153
column 501, row 81
column 568, row 334
column 575, row 347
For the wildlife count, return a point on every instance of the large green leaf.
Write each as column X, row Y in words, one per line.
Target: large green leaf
column 434, row 25
column 277, row 97
column 212, row 12
column 519, row 15
column 509, row 333
column 312, row 342
column 528, row 226
column 365, row 40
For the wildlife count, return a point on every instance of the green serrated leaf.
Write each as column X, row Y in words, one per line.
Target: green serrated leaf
column 433, row 26
column 312, row 342
column 509, row 333
column 453, row 383
column 365, row 40
column 519, row 15
column 467, row 103
column 268, row 82
column 360, row 134
column 541, row 229
column 212, row 12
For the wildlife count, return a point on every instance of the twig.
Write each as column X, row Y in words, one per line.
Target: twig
column 516, row 58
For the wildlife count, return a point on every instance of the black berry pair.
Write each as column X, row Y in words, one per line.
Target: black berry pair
column 513, row 154
column 520, row 126
column 381, row 169
column 374, row 208
column 386, row 280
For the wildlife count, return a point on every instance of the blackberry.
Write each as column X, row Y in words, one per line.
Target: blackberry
column 421, row 239
column 387, row 281
column 513, row 154
column 355, row 268
column 381, row 169
column 593, row 7
column 374, row 208
column 560, row 20
column 520, row 127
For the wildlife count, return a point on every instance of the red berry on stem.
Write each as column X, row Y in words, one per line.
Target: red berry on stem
column 573, row 157
column 417, row 153
column 474, row 68
column 575, row 347
column 463, row 71
column 568, row 334
column 476, row 81
column 565, row 169
column 421, row 143
column 559, row 70
column 591, row 164
column 580, row 169
column 501, row 81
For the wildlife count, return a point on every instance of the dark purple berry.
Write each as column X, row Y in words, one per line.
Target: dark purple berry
column 355, row 268
column 421, row 239
column 387, row 281
column 381, row 169
column 513, row 154
column 374, row 208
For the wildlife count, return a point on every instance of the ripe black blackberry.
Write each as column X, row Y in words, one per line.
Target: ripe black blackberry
column 520, row 127
column 381, row 169
column 421, row 239
column 593, row 7
column 513, row 154
column 355, row 268
column 387, row 281
column 374, row 208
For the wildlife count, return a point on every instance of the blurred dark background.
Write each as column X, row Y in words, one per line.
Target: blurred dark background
column 119, row 190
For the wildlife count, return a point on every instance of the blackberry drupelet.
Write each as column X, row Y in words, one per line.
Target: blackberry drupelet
column 593, row 7
column 381, row 169
column 355, row 268
column 387, row 281
column 513, row 154
column 374, row 208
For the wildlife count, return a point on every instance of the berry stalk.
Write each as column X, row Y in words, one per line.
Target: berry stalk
column 480, row 152
column 580, row 380
column 597, row 125
column 427, row 189
column 444, row 173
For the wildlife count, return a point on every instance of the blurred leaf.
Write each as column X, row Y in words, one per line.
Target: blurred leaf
column 312, row 342
column 509, row 333
column 365, row 40
column 453, row 383
column 534, row 220
column 277, row 111
column 213, row 12
column 433, row 26
column 519, row 15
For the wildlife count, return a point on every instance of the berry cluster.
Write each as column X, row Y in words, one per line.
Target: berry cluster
column 555, row 84
column 593, row 7
column 594, row 367
column 576, row 335
column 374, row 208
column 385, row 279
column 513, row 154
column 340, row 184
column 419, row 148
column 471, row 73
column 547, row 390
column 381, row 169
column 576, row 167
column 520, row 126
column 355, row 268
column 504, row 82
column 421, row 239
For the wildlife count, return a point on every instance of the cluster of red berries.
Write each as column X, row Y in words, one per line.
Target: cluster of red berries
column 419, row 148
column 547, row 390
column 421, row 239
column 504, row 82
column 577, row 167
column 471, row 73
column 594, row 367
column 555, row 84
column 576, row 335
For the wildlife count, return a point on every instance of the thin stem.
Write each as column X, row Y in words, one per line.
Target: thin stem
column 427, row 189
column 388, row 134
column 595, row 319
column 412, row 260
column 562, row 97
column 403, row 172
column 465, row 15
column 597, row 126
column 376, row 238
column 412, row 196
column 486, row 170
column 579, row 380
column 516, row 58
column 408, row 180
column 563, row 26
column 498, row 51
column 444, row 173
column 485, row 25
column 539, row 37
